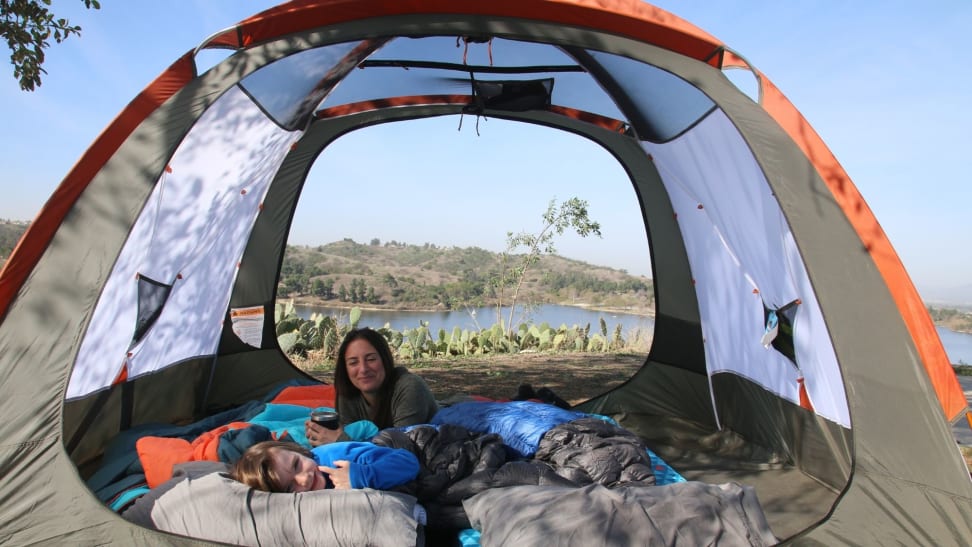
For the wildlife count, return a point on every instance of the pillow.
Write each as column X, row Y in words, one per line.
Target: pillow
column 683, row 513
column 140, row 511
column 214, row 507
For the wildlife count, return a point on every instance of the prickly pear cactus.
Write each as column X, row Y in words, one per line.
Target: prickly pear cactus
column 287, row 341
column 597, row 343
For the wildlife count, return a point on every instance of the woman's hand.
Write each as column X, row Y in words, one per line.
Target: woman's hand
column 340, row 474
column 318, row 435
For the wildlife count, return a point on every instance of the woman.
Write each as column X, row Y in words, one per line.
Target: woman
column 368, row 386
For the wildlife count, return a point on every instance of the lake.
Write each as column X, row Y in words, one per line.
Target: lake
column 480, row 318
column 958, row 346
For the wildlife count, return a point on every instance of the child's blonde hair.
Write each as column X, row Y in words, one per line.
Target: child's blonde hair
column 255, row 466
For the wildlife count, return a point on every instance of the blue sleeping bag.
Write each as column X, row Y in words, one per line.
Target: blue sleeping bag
column 519, row 423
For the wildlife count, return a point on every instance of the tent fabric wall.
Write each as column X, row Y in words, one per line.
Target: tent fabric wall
column 745, row 259
column 876, row 243
column 877, row 439
column 190, row 235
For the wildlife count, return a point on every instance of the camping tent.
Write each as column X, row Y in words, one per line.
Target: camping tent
column 117, row 306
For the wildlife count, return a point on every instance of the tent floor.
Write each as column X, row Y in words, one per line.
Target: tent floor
column 791, row 500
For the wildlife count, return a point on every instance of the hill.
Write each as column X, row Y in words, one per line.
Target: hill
column 403, row 276
column 10, row 232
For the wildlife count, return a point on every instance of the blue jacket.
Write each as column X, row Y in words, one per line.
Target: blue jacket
column 372, row 466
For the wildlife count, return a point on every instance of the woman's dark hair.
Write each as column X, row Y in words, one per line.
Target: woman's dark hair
column 342, row 382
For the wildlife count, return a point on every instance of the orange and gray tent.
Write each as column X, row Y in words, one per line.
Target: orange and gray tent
column 783, row 314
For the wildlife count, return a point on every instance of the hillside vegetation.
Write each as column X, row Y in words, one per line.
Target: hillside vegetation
column 952, row 319
column 10, row 232
column 403, row 276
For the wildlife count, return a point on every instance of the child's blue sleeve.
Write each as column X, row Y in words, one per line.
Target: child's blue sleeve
column 382, row 468
column 372, row 466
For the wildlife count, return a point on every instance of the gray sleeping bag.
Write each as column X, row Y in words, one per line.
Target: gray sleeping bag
column 683, row 514
column 212, row 506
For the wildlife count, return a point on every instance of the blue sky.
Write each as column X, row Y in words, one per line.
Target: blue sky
column 887, row 88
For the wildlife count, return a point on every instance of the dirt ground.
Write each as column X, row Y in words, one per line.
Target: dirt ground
column 574, row 377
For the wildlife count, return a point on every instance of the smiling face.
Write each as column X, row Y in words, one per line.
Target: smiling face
column 365, row 367
column 295, row 472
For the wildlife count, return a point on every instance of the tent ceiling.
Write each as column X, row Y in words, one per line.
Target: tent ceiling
column 372, row 70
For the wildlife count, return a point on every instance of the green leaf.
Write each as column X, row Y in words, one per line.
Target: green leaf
column 287, row 341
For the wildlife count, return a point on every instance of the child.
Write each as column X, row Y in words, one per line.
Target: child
column 278, row 466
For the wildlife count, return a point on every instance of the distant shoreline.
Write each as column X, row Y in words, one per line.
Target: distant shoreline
column 312, row 301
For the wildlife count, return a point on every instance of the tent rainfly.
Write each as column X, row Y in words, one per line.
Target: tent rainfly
column 115, row 307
